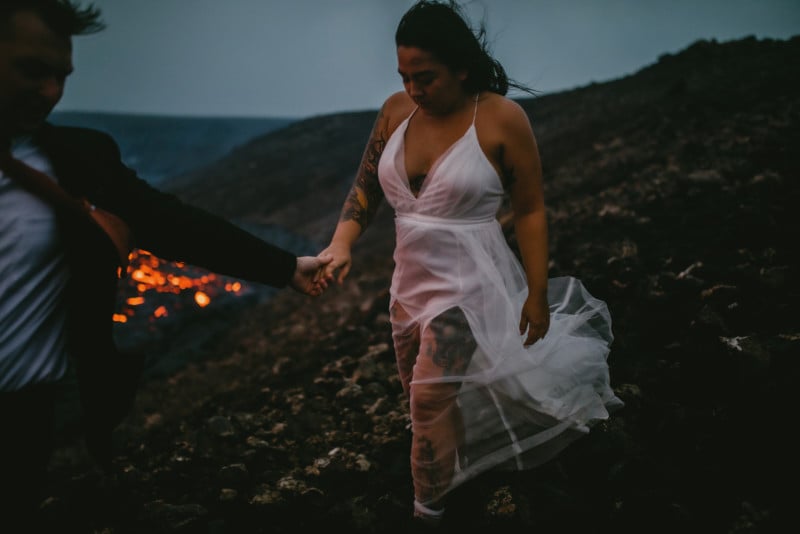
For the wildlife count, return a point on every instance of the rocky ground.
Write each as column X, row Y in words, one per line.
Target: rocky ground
column 672, row 194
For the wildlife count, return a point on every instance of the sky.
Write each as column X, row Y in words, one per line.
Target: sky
column 301, row 58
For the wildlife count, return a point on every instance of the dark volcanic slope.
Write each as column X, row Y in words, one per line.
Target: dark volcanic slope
column 672, row 193
column 290, row 177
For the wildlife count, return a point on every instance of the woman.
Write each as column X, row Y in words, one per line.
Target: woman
column 502, row 367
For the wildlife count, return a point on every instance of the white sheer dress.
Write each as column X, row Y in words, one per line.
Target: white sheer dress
column 500, row 405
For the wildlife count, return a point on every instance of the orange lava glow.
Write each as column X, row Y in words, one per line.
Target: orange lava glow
column 148, row 274
column 202, row 299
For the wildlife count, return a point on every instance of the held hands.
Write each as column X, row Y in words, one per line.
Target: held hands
column 314, row 273
column 309, row 275
column 535, row 319
column 340, row 260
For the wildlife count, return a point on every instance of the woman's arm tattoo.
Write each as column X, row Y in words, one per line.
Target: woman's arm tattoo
column 365, row 196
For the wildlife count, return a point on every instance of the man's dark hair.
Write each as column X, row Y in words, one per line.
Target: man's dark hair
column 65, row 17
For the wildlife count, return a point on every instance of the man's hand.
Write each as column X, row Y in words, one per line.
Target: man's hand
column 309, row 276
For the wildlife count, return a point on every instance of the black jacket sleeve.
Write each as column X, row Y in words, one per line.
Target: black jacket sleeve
column 89, row 164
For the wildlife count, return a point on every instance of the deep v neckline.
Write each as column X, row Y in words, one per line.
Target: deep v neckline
column 437, row 162
column 434, row 166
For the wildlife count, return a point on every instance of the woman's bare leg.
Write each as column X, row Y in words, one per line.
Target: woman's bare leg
column 446, row 346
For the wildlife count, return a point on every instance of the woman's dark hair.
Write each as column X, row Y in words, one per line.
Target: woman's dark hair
column 441, row 29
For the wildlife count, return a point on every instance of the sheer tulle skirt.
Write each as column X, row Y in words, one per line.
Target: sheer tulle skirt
column 503, row 405
column 520, row 411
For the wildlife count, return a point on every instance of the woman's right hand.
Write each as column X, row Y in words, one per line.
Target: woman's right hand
column 362, row 201
column 341, row 261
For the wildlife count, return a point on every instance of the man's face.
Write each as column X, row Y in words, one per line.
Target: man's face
column 34, row 64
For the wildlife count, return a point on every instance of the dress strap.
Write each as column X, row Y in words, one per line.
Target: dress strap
column 475, row 113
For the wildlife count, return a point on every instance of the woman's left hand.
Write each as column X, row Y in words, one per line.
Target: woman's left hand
column 535, row 319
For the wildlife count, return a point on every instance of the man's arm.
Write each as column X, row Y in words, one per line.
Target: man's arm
column 90, row 164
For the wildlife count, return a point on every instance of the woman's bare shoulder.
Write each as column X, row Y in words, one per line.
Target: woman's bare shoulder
column 396, row 108
column 503, row 117
column 505, row 110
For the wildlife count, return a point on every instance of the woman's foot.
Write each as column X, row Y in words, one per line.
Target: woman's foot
column 426, row 517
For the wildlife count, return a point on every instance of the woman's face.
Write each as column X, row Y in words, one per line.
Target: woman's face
column 435, row 88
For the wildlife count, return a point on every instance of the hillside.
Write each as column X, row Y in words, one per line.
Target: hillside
column 670, row 193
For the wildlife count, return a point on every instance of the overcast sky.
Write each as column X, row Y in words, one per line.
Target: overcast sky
column 297, row 58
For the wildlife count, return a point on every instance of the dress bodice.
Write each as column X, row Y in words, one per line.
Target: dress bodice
column 462, row 185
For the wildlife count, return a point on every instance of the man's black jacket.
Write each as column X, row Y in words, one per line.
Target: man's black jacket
column 88, row 164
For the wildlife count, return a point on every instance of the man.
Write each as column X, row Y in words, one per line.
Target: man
column 58, row 271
